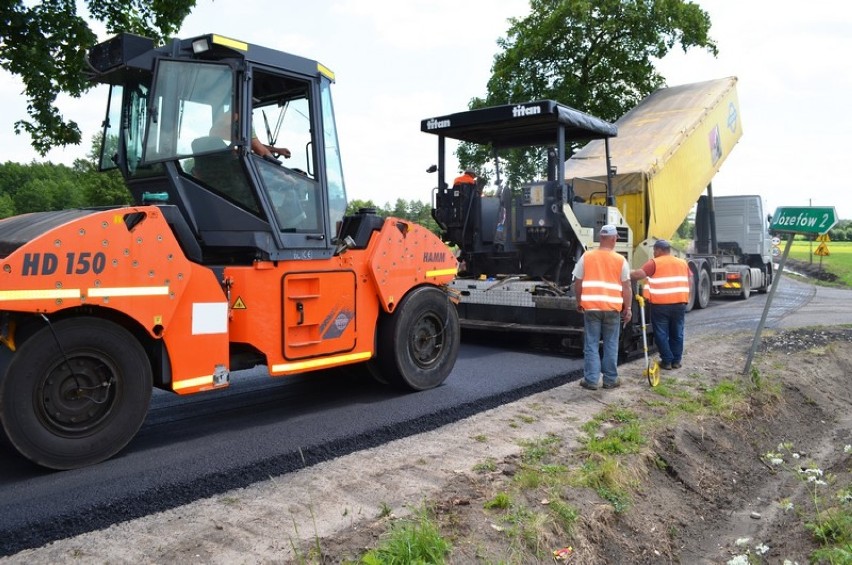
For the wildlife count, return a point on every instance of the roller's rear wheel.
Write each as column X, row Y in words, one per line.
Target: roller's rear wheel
column 418, row 344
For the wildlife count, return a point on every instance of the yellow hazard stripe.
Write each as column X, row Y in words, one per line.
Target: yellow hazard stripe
column 40, row 294
column 325, row 71
column 101, row 292
column 97, row 292
column 442, row 272
column 192, row 383
column 228, row 42
column 317, row 363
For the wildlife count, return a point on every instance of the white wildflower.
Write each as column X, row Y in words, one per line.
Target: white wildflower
column 761, row 548
column 811, row 478
column 847, row 449
column 786, row 505
column 788, row 562
column 742, row 541
column 738, row 560
column 820, row 482
column 845, row 497
column 796, row 456
column 776, row 461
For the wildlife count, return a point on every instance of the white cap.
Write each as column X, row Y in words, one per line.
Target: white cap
column 609, row 229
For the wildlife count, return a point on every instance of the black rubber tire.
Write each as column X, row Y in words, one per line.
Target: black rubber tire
column 690, row 302
column 418, row 344
column 374, row 371
column 702, row 289
column 746, row 281
column 44, row 416
column 767, row 280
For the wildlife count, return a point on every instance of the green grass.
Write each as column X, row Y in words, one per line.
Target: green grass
column 410, row 541
column 838, row 262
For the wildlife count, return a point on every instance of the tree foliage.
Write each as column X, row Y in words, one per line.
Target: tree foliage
column 45, row 44
column 411, row 210
column 597, row 56
column 40, row 187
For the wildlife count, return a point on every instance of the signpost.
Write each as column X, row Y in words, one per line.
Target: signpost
column 791, row 220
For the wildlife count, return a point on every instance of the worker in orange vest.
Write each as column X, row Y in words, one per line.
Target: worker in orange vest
column 469, row 177
column 605, row 297
column 668, row 292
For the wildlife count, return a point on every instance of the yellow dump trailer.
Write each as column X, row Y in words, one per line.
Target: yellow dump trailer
column 667, row 151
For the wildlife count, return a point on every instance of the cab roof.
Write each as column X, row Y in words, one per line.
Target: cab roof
column 520, row 125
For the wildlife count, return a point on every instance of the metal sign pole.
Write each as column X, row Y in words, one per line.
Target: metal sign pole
column 760, row 324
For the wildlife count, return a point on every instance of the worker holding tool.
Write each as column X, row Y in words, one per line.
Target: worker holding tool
column 605, row 297
column 668, row 292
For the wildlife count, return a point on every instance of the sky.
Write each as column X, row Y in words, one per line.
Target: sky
column 398, row 63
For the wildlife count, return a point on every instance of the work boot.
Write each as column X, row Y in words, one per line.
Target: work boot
column 676, row 365
column 666, row 366
column 587, row 385
column 614, row 384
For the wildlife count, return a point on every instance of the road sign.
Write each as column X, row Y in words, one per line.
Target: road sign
column 775, row 251
column 822, row 250
column 776, row 241
column 807, row 220
column 824, row 237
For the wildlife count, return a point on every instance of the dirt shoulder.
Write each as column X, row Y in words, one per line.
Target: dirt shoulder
column 699, row 483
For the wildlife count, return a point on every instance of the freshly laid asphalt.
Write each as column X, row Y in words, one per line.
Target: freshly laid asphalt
column 199, row 446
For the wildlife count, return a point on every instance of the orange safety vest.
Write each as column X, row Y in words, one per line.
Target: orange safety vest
column 670, row 281
column 602, row 280
column 464, row 179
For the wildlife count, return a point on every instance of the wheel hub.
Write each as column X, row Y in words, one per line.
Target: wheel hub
column 427, row 340
column 76, row 396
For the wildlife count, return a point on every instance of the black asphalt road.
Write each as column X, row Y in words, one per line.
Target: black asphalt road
column 195, row 447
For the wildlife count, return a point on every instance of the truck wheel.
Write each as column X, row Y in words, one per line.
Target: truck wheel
column 419, row 342
column 746, row 286
column 767, row 280
column 702, row 289
column 75, row 394
column 690, row 302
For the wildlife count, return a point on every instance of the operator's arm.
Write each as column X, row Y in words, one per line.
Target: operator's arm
column 264, row 150
column 579, row 273
column 638, row 275
column 578, row 293
column 626, row 294
column 627, row 301
column 645, row 271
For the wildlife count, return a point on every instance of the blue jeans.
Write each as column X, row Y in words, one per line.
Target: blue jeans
column 667, row 321
column 600, row 326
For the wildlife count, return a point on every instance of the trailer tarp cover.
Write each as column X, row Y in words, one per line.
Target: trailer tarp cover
column 667, row 151
column 518, row 125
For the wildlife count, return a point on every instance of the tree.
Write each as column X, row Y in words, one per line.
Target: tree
column 101, row 188
column 45, row 43
column 594, row 55
column 355, row 205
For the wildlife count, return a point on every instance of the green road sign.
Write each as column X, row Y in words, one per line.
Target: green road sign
column 805, row 219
